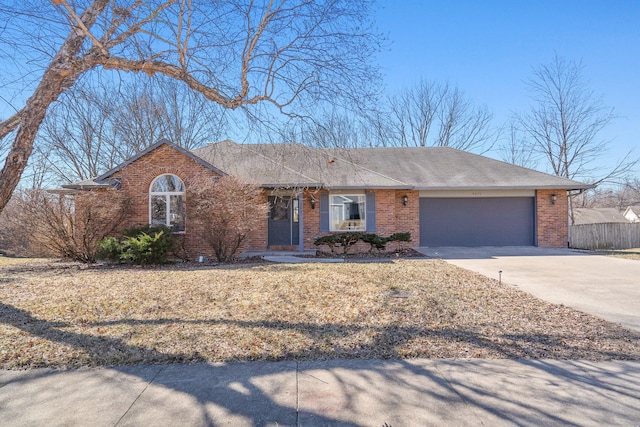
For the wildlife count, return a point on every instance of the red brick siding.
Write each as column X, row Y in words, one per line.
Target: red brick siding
column 552, row 219
column 136, row 181
column 392, row 216
column 257, row 240
column 310, row 218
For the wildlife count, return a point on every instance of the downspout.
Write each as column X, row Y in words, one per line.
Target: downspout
column 301, row 222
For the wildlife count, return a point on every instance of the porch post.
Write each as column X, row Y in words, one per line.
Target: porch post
column 301, row 222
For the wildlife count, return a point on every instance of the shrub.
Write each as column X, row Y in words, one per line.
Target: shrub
column 329, row 240
column 109, row 248
column 70, row 225
column 226, row 210
column 139, row 245
column 374, row 241
column 347, row 240
column 400, row 237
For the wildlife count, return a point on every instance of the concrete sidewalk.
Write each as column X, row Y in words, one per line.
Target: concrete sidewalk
column 339, row 392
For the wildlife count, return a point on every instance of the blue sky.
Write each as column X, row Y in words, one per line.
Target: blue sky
column 488, row 49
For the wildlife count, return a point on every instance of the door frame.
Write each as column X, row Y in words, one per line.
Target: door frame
column 291, row 232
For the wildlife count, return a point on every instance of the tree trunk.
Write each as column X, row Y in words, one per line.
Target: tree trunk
column 62, row 72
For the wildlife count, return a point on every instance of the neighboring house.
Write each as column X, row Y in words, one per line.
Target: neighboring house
column 442, row 196
column 583, row 216
column 632, row 214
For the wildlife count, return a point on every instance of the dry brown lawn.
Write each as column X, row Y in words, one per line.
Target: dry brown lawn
column 9, row 261
column 633, row 254
column 67, row 315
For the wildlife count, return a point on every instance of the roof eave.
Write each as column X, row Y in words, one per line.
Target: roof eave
column 292, row 185
column 370, row 187
column 502, row 187
column 85, row 187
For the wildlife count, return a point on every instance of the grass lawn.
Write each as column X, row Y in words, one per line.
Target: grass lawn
column 67, row 315
column 627, row 254
column 8, row 261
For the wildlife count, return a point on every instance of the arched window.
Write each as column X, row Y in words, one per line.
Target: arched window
column 166, row 202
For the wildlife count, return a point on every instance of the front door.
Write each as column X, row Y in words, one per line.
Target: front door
column 283, row 221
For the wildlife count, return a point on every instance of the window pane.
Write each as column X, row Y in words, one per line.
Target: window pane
column 296, row 211
column 167, row 183
column 176, row 213
column 158, row 210
column 279, row 209
column 347, row 213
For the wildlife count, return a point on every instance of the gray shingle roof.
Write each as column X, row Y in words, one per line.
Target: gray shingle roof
column 421, row 168
column 597, row 216
column 634, row 209
column 444, row 168
column 293, row 165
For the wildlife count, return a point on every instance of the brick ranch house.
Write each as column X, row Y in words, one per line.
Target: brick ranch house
column 442, row 196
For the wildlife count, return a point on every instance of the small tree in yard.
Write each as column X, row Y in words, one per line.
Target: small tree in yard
column 226, row 209
column 71, row 226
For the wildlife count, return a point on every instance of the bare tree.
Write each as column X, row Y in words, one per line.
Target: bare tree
column 514, row 148
column 565, row 123
column 341, row 129
column 287, row 54
column 227, row 211
column 432, row 114
column 87, row 131
column 620, row 197
column 75, row 138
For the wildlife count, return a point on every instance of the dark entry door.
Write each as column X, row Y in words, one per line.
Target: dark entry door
column 283, row 221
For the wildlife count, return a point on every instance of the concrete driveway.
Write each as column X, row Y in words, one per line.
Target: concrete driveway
column 604, row 286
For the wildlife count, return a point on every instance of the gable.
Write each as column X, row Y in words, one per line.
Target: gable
column 162, row 144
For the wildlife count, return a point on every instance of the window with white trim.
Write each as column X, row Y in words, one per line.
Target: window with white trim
column 347, row 212
column 166, row 202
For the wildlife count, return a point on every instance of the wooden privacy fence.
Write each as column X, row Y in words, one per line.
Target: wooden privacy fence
column 605, row 236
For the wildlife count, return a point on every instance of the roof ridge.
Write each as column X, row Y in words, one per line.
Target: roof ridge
column 275, row 162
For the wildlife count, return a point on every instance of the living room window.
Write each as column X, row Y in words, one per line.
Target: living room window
column 166, row 202
column 347, row 212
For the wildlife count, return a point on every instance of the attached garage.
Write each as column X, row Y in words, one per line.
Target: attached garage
column 477, row 221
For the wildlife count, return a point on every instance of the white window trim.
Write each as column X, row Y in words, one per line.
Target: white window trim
column 166, row 195
column 363, row 211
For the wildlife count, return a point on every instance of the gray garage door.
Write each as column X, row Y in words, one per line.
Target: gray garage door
column 491, row 221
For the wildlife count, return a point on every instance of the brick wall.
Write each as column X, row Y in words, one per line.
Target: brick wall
column 552, row 219
column 136, row 181
column 257, row 240
column 392, row 216
column 311, row 218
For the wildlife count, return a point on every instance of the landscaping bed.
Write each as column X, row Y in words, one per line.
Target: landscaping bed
column 71, row 315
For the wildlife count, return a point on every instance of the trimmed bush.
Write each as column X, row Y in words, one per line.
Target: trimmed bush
column 139, row 245
column 110, row 249
column 347, row 240
column 374, row 241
